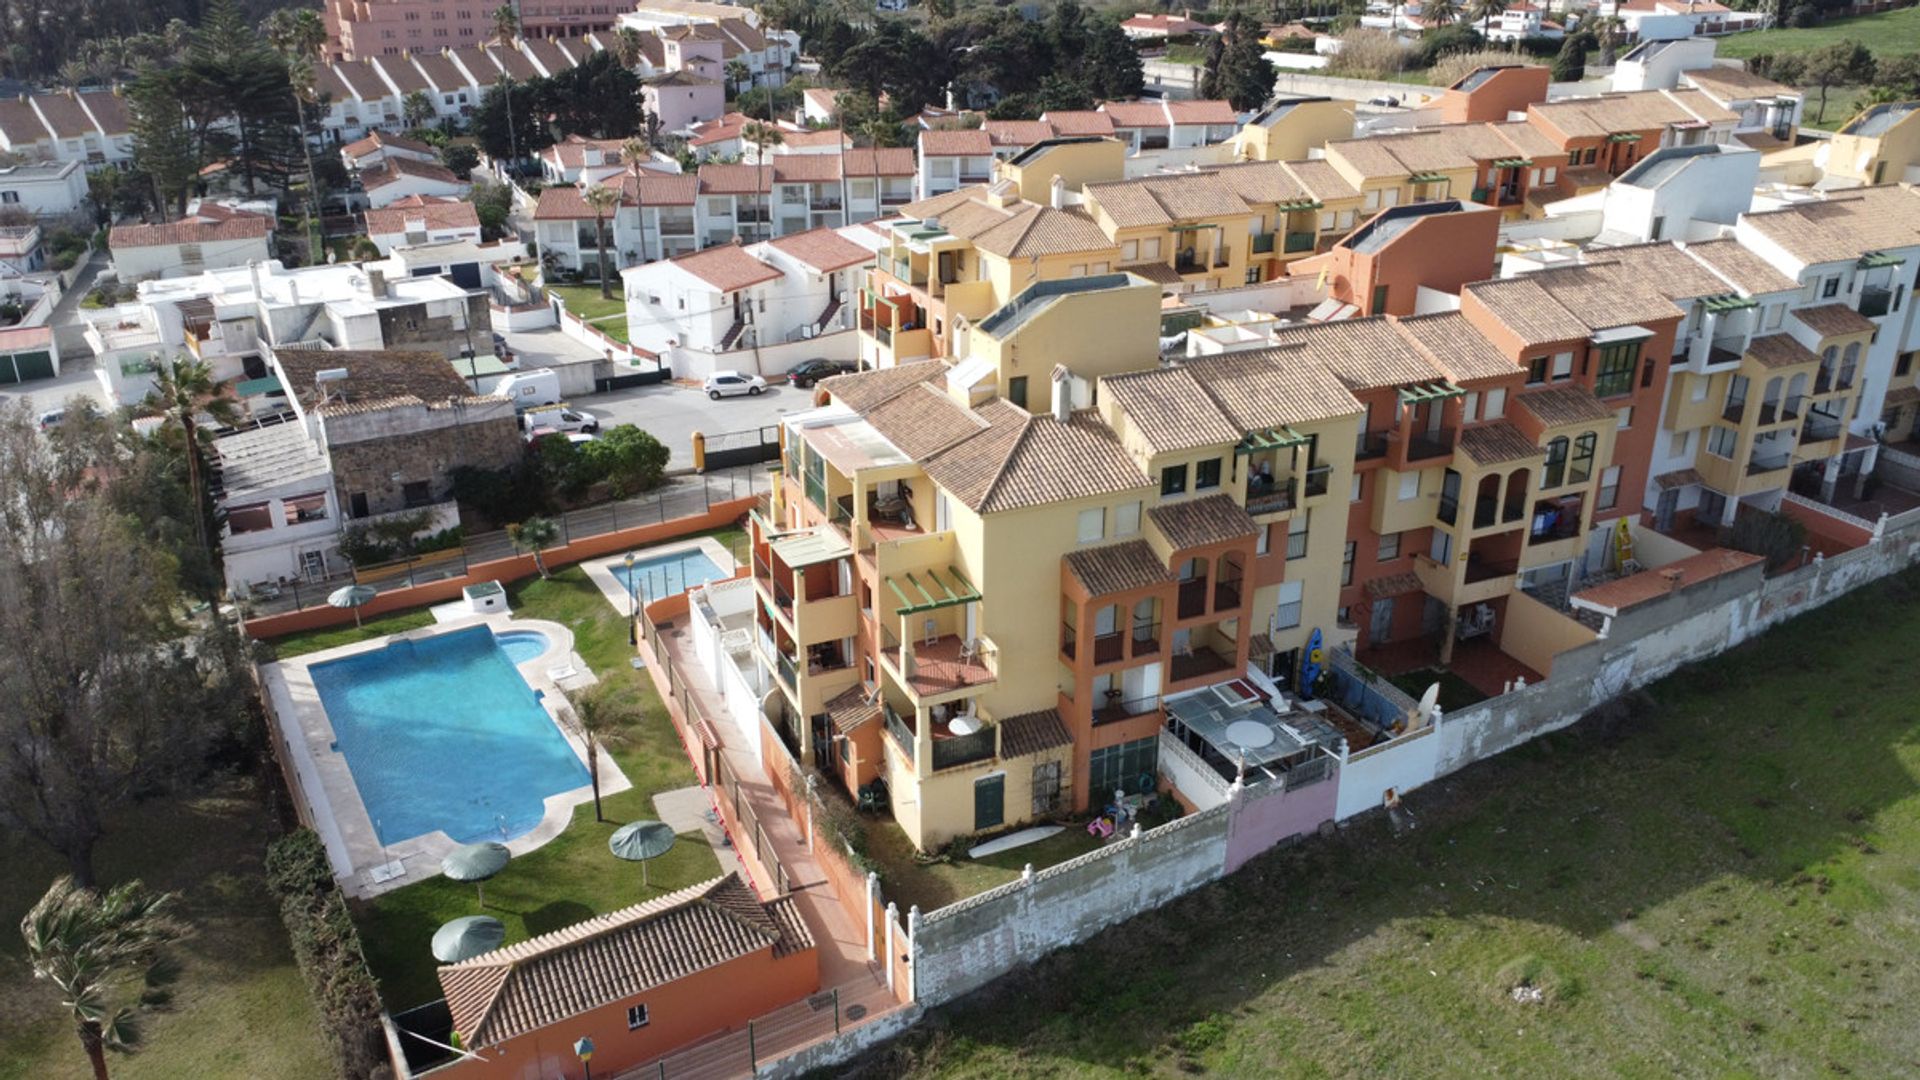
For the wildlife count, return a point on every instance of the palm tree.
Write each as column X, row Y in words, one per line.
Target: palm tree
column 506, row 23
column 761, row 135
column 417, row 109
column 85, row 944
column 1484, row 12
column 604, row 718
column 184, row 393
column 738, row 76
column 298, row 34
column 634, row 151
column 626, row 46
column 602, row 199
column 535, row 535
column 1440, row 12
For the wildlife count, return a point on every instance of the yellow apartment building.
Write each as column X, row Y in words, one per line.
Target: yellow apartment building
column 1879, row 146
column 1292, row 127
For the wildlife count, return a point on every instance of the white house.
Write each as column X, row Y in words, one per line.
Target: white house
column 1665, row 20
column 379, row 148
column 401, row 177
column 1769, row 112
column 189, row 246
column 576, row 159
column 950, row 160
column 764, row 307
column 1524, row 20
column 1170, row 125
column 47, row 189
column 1680, row 193
column 422, row 219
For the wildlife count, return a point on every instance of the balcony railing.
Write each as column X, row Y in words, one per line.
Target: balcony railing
column 1263, row 243
column 1271, row 497
column 1449, row 509
column 1735, row 407
column 1193, row 598
column 1429, row 444
column 1109, row 647
column 1117, row 708
column 963, row 749
column 1370, row 444
column 1767, row 464
column 1317, row 480
column 1226, row 594
column 1146, row 639
column 788, row 678
column 1875, row 301
column 1478, row 571
column 1819, row 429
column 1069, row 640
column 1298, row 242
column 902, row 734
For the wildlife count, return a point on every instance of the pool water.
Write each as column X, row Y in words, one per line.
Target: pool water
column 443, row 733
column 521, row 645
column 667, row 575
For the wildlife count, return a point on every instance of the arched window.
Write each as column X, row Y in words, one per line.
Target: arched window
column 1796, row 390
column 1849, row 363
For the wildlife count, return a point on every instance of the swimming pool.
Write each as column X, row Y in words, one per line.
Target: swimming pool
column 522, row 645
column 667, row 575
column 442, row 733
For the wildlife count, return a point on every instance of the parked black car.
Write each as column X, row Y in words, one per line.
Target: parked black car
column 812, row 371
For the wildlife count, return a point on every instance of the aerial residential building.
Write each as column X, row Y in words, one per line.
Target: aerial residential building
column 420, row 219
column 1408, row 259
column 1171, row 125
column 1662, row 20
column 682, row 99
column 453, row 91
column 45, row 189
column 1603, row 136
column 379, row 104
column 1192, row 229
column 1680, row 193
column 189, row 246
column 379, row 148
column 404, row 177
column 1294, row 125
column 952, row 159
column 28, row 352
column 1495, row 94
column 1155, row 26
column 1769, row 112
column 575, row 160
column 1879, row 146
column 729, row 307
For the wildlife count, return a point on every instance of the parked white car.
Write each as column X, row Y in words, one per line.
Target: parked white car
column 732, row 384
column 558, row 418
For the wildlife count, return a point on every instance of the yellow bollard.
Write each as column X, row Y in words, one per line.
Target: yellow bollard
column 699, row 452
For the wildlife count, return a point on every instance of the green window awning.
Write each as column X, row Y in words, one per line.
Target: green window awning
column 253, row 387
column 1299, row 204
column 1270, row 439
column 1427, row 177
column 1413, row 395
column 1512, row 163
column 926, row 590
column 1625, row 136
column 1878, row 258
column 1729, row 302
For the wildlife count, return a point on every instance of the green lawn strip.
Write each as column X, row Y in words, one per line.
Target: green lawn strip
column 936, row 885
column 1888, row 33
column 572, row 876
column 240, row 1008
column 1455, row 692
column 1721, row 886
column 310, row 641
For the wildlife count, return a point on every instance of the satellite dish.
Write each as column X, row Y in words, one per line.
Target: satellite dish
column 1423, row 714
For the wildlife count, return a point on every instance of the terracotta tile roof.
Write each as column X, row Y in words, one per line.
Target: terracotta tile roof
column 1167, row 200
column 396, row 168
column 851, row 710
column 1902, row 395
column 527, row 986
column 1017, row 132
column 1259, row 389
column 1033, row 733
column 1834, row 320
column 400, row 71
column 862, row 390
column 961, row 143
column 1393, row 585
column 682, row 77
column 1779, row 351
column 238, row 227
column 1665, row 268
column 561, row 202
column 1843, row 226
column 14, row 338
column 727, row 126
column 1203, row 111
column 735, row 179
column 1171, row 410
column 1021, row 460
column 478, row 61
column 806, row 168
column 883, row 161
column 1263, row 182
column 1136, row 114
column 1118, row 568
column 1623, row 594
column 823, row 249
column 1451, row 343
column 360, row 148
column 109, row 111
column 653, row 188
column 19, row 123
column 1725, row 83
column 513, row 62
column 365, row 82
column 1364, row 354
column 1559, row 405
column 1042, row 230
column 1639, row 110
column 1747, row 271
column 1679, row 478
column 1323, row 180
column 547, row 54
column 435, row 213
column 63, row 115
column 1527, row 309
column 327, row 84
column 922, row 420
column 441, row 71
column 726, row 267
column 798, row 140
column 571, row 152
column 1078, row 122
column 382, row 376
column 1194, row 523
column 1498, row 443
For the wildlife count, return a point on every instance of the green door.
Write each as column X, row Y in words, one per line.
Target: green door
column 989, row 803
column 34, row 365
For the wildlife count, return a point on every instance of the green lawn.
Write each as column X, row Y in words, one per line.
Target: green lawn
column 240, row 1008
column 1888, row 33
column 1455, row 692
column 571, row 877
column 586, row 302
column 939, row 884
column 1723, row 886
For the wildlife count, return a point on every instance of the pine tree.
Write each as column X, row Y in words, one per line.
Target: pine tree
column 1238, row 69
column 163, row 145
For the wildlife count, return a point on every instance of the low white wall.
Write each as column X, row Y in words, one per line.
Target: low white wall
column 767, row 360
column 523, row 317
column 1194, row 779
column 1403, row 764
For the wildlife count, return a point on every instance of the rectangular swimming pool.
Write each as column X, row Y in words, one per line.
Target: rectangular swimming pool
column 667, row 575
column 442, row 733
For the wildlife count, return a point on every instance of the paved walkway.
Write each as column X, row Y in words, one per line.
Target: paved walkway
column 688, row 809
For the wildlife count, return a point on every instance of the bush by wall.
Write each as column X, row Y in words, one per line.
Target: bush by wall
column 327, row 948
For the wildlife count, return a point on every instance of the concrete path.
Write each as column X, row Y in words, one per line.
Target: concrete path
column 688, row 809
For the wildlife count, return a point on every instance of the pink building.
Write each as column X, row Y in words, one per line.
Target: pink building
column 357, row 29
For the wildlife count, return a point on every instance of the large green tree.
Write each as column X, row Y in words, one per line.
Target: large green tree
column 163, row 144
column 244, row 84
column 299, row 35
column 1237, row 67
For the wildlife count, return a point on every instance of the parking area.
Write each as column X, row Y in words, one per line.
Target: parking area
column 673, row 413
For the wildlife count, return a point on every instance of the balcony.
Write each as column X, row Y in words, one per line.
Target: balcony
column 824, row 202
column 1875, row 301
column 1146, row 640
column 1193, row 598
column 1317, row 479
column 957, row 750
column 1734, row 409
column 1820, row 428
column 1298, row 242
column 1271, row 496
column 1448, row 511
column 943, row 666
column 1760, row 464
column 1425, row 445
column 1117, row 709
column 1370, row 444
column 1262, row 244
column 902, row 734
column 1188, row 263
column 1554, row 519
column 1197, row 663
column 1226, row 594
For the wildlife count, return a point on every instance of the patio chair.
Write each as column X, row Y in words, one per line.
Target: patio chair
column 970, row 650
column 563, row 670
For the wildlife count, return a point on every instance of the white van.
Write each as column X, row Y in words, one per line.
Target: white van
column 551, row 418
column 540, row 386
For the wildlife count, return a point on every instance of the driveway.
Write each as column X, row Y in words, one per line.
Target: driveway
column 673, row 413
column 76, row 376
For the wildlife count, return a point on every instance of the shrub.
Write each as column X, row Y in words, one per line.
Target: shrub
column 1776, row 537
column 627, row 458
column 365, row 248
column 502, row 495
column 1448, row 41
column 326, row 946
column 1452, row 67
column 1369, row 53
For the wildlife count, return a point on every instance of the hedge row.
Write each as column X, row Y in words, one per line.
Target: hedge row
column 327, row 948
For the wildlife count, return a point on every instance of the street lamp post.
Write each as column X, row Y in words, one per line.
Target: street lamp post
column 583, row 1049
column 633, row 613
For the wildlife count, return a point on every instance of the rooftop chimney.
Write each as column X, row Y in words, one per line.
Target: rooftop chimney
column 1058, row 193
column 376, row 283
column 1062, row 393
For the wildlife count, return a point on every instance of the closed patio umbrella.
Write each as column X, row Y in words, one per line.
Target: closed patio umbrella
column 476, row 863
column 352, row 596
column 465, row 938
column 639, row 841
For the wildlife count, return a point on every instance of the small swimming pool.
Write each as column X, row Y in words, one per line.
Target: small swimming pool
column 667, row 575
column 522, row 645
column 442, row 733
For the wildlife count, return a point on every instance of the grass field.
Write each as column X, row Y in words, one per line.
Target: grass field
column 240, row 1008
column 586, row 302
column 1888, row 33
column 938, row 884
column 1725, row 885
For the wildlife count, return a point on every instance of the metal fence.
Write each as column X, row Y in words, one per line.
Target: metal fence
column 770, row 1036
column 682, row 497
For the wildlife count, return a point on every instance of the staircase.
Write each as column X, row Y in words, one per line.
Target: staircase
column 826, row 317
column 733, row 334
